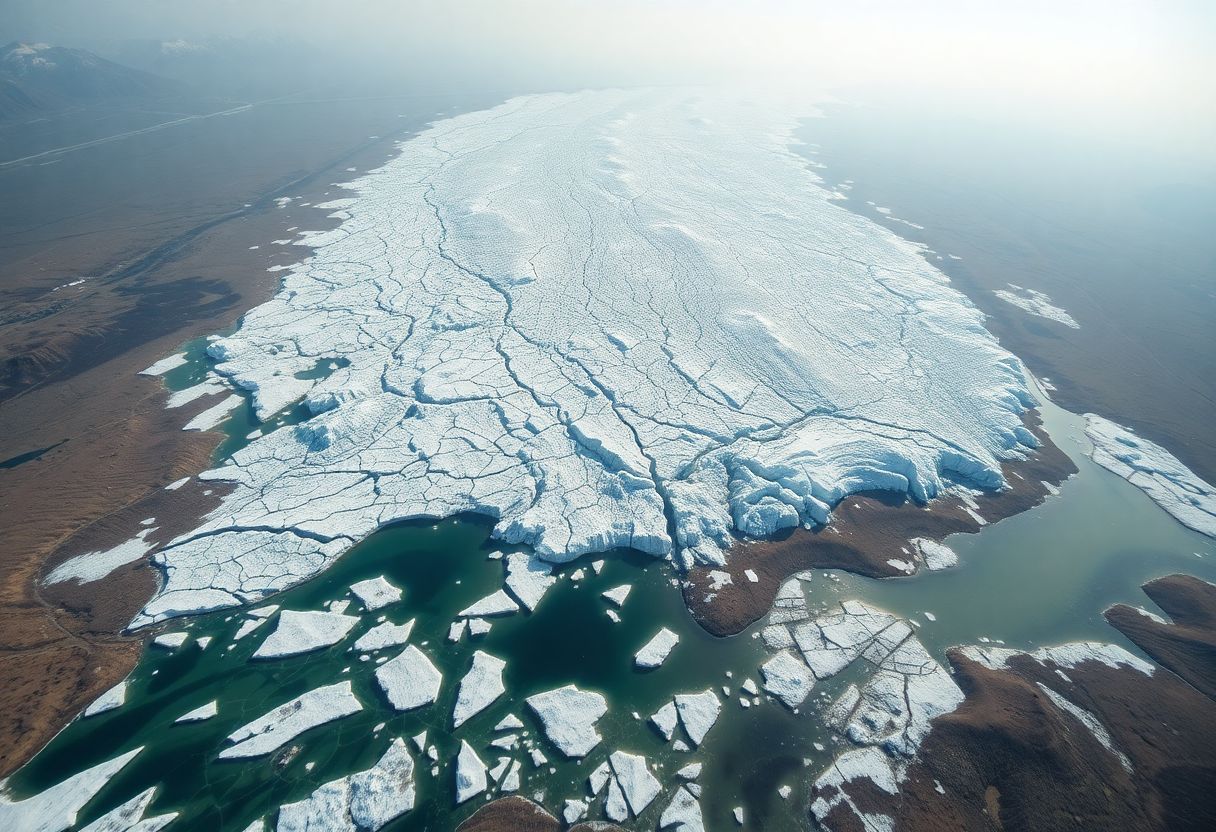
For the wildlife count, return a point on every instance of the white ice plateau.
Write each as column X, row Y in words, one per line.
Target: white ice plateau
column 611, row 318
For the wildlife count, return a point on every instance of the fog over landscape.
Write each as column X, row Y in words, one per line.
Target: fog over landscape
column 594, row 417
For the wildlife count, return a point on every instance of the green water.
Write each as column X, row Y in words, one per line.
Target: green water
column 1041, row 577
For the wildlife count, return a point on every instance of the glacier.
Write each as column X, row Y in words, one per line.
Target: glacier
column 616, row 318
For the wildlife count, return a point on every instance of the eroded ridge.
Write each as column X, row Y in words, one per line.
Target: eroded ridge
column 619, row 318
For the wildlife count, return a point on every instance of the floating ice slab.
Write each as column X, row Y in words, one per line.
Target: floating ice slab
column 513, row 351
column 129, row 816
column 385, row 791
column 1155, row 471
column 365, row 801
column 496, row 603
column 656, row 651
column 289, row 720
column 170, row 641
column 302, row 632
column 375, row 593
column 618, row 594
column 568, row 716
column 200, row 713
column 665, row 720
column 787, row 678
column 683, row 813
column 409, row 680
column 470, row 773
column 528, row 578
column 639, row 786
column 698, row 713
column 384, row 635
column 1036, row 303
column 479, row 687
column 55, row 809
column 108, row 701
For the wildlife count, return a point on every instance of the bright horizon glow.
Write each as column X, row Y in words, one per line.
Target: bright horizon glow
column 1132, row 70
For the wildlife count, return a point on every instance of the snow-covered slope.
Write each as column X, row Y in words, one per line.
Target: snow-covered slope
column 618, row 318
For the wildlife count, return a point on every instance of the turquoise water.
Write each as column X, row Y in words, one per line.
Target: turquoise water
column 1041, row 577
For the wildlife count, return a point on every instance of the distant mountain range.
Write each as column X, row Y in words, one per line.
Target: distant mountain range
column 37, row 77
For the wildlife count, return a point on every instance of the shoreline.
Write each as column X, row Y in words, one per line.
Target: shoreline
column 116, row 445
column 867, row 531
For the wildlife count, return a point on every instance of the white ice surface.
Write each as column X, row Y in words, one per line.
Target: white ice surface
column 375, row 593
column 215, row 414
column 568, row 716
column 409, row 680
column 528, row 578
column 286, row 722
column 698, row 713
column 93, row 566
column 304, row 631
column 129, row 816
column 202, row 712
column 606, row 347
column 1155, row 471
column 639, row 786
column 656, row 651
column 108, row 701
column 479, row 687
column 170, row 641
column 364, row 801
column 470, row 773
column 55, row 809
column 384, row 635
column 165, row 365
column 1036, row 303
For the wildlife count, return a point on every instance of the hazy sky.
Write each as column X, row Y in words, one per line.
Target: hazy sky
column 1137, row 68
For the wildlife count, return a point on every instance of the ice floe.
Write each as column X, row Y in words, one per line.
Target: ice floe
column 638, row 785
column 568, row 716
column 479, row 687
column 375, row 593
column 511, row 352
column 384, row 635
column 618, row 594
column 1155, row 471
column 528, row 578
column 409, row 680
column 108, row 701
column 129, row 816
column 1036, row 303
column 55, row 809
column 656, row 651
column 286, row 722
column 302, row 632
column 698, row 713
column 365, row 801
column 202, row 712
column 788, row 678
column 683, row 813
column 496, row 603
column 170, row 641
column 470, row 773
